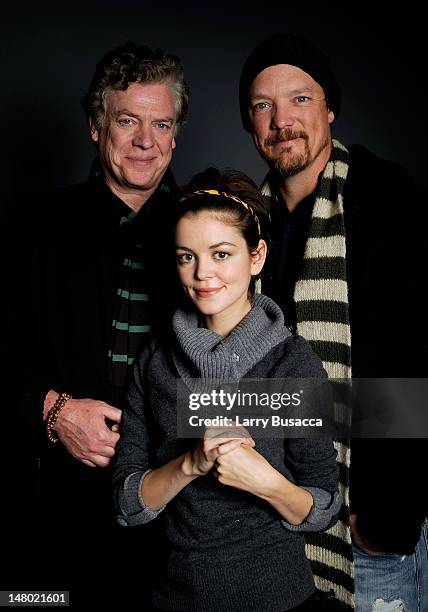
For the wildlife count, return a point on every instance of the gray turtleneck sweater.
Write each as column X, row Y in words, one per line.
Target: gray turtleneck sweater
column 229, row 549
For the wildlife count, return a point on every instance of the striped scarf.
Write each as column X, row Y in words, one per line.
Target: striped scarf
column 131, row 315
column 133, row 312
column 322, row 309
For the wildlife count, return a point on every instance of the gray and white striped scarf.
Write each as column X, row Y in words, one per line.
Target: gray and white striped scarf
column 322, row 309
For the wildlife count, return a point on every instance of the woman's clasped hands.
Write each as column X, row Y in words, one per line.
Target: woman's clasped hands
column 217, row 442
column 231, row 456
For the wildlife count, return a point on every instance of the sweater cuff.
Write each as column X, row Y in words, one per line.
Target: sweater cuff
column 324, row 508
column 131, row 504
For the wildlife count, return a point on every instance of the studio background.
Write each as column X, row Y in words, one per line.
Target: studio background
column 49, row 52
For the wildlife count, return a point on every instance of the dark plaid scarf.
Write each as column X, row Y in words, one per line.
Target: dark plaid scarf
column 322, row 309
column 132, row 313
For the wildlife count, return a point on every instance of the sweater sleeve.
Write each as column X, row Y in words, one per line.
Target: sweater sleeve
column 130, row 503
column 134, row 451
column 312, row 461
column 324, row 510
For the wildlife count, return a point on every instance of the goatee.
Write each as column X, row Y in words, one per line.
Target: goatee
column 298, row 162
column 292, row 167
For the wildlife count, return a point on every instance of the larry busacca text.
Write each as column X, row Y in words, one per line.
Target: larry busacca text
column 263, row 422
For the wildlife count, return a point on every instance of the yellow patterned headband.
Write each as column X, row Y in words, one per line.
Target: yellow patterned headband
column 224, row 194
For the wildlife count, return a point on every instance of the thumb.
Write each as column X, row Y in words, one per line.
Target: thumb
column 226, row 447
column 112, row 413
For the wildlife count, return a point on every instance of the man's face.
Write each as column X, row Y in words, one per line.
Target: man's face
column 136, row 141
column 290, row 121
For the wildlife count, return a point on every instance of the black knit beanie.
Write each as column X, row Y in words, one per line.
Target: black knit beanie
column 284, row 48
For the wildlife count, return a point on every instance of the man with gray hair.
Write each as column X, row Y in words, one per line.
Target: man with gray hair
column 95, row 294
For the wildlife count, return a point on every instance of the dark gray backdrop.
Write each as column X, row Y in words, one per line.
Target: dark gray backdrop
column 47, row 57
column 48, row 53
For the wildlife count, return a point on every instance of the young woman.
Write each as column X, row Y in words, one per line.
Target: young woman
column 234, row 506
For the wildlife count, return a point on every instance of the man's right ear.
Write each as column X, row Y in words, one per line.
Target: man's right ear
column 94, row 131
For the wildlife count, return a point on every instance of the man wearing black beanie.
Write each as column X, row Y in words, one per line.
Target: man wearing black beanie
column 347, row 261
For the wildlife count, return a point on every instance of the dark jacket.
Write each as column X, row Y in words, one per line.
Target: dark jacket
column 72, row 248
column 63, row 257
column 386, row 217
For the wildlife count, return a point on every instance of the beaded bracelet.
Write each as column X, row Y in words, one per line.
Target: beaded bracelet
column 53, row 415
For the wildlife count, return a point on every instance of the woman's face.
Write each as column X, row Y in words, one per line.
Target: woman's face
column 214, row 265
